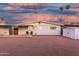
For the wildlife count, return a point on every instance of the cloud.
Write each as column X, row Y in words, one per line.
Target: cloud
column 8, row 8
column 75, row 9
column 23, row 7
column 27, row 5
column 71, row 18
column 32, row 17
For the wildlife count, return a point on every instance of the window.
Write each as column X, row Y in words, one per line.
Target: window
column 53, row 28
column 27, row 32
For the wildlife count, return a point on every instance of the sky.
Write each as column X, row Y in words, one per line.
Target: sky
column 14, row 13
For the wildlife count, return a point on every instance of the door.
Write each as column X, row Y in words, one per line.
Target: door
column 10, row 31
column 29, row 32
column 16, row 31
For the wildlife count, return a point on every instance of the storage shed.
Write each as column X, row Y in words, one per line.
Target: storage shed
column 71, row 31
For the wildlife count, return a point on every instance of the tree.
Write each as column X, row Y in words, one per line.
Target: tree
column 67, row 7
column 61, row 9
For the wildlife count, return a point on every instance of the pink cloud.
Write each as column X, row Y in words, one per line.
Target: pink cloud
column 71, row 18
column 75, row 9
column 29, row 18
column 8, row 8
column 26, row 4
column 21, row 6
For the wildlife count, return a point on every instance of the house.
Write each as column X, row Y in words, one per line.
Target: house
column 35, row 28
column 71, row 31
column 45, row 28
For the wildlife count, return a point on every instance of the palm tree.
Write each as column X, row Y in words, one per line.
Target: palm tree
column 67, row 7
column 62, row 9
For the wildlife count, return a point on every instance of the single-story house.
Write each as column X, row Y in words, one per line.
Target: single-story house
column 71, row 31
column 35, row 28
column 38, row 28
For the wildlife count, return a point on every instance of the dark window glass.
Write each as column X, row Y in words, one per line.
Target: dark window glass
column 53, row 28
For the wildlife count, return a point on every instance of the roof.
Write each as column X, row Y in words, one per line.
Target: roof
column 71, row 28
column 72, row 25
column 5, row 25
column 52, row 23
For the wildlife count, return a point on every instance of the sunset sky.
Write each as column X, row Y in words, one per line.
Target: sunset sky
column 14, row 13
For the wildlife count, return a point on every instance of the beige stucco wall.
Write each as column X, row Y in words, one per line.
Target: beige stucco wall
column 22, row 31
column 69, row 32
column 4, row 31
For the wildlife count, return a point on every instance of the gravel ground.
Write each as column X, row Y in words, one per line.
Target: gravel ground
column 39, row 46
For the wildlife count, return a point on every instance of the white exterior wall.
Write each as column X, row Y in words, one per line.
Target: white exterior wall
column 69, row 32
column 4, row 31
column 44, row 29
column 77, row 33
column 22, row 31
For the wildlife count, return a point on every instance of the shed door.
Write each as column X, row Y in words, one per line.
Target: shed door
column 16, row 31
